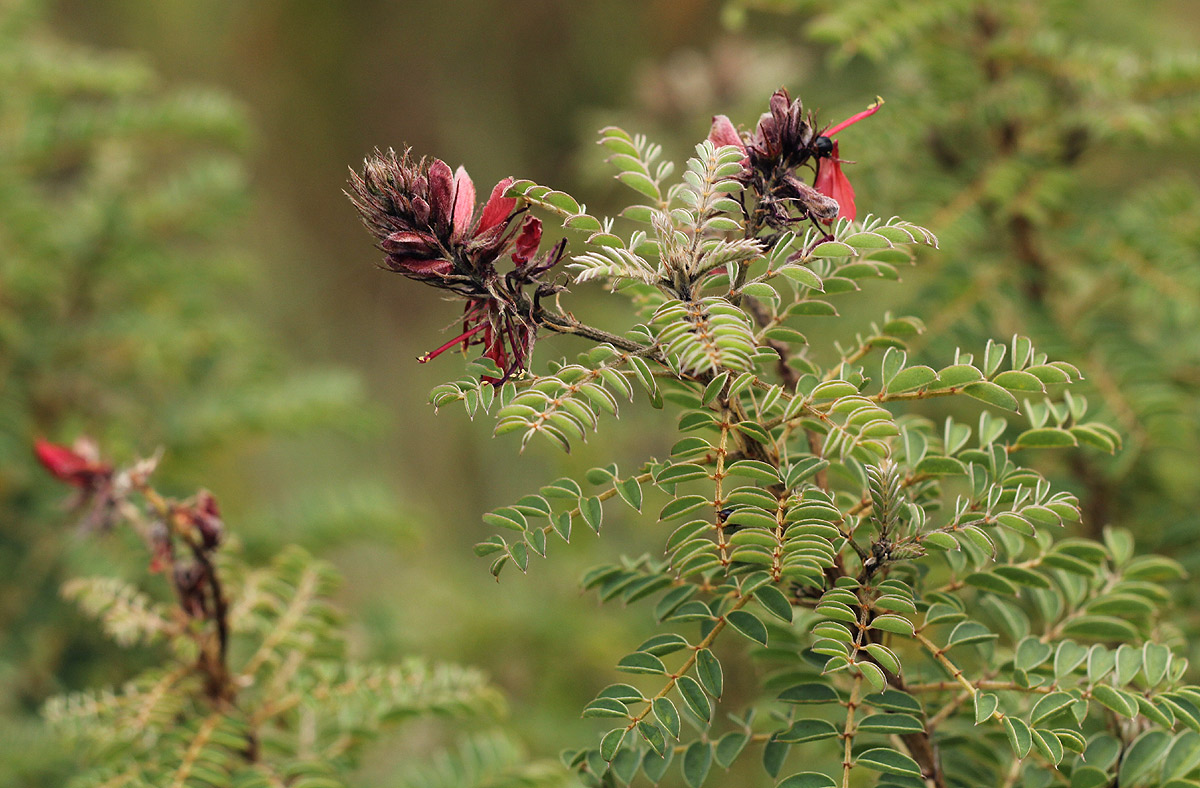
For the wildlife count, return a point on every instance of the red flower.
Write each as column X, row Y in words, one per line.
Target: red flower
column 426, row 222
column 423, row 217
column 78, row 466
column 831, row 181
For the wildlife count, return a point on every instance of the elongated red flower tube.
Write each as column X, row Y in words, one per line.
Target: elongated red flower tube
column 831, row 181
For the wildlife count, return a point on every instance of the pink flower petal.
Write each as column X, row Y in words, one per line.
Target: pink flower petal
column 419, row 266
column 464, row 202
column 498, row 207
column 723, row 133
column 408, row 243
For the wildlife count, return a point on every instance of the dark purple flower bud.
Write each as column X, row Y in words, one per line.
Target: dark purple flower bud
column 420, row 210
column 814, row 202
column 424, row 219
column 206, row 518
column 441, row 196
column 190, row 581
column 162, row 550
column 782, row 137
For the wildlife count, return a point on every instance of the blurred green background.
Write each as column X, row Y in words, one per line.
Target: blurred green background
column 389, row 492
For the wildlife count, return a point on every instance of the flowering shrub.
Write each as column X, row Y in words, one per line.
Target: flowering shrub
column 256, row 688
column 1050, row 150
column 852, row 532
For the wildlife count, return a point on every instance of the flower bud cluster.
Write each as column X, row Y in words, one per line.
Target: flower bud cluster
column 424, row 219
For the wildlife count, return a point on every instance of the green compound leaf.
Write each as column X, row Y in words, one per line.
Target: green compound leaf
column 1046, row 438
column 890, row 622
column 985, row 706
column 683, row 505
column 606, row 707
column 611, row 743
column 911, row 378
column 774, row 602
column 1143, row 755
column 810, row 692
column 891, row 723
column 730, row 746
column 655, row 766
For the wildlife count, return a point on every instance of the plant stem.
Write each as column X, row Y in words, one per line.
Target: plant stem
column 848, row 731
column 691, row 660
column 567, row 324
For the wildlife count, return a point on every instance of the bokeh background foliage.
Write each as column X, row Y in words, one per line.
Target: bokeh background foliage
column 179, row 268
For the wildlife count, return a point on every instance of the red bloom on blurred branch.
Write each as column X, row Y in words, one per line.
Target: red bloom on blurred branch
column 79, row 466
column 426, row 224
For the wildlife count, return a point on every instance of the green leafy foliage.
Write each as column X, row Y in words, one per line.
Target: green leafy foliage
column 254, row 684
column 125, row 313
column 1047, row 142
column 303, row 709
column 903, row 579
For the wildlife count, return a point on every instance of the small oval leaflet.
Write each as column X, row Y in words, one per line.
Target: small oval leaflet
column 667, row 715
column 808, row 780
column 641, row 662
column 1046, row 438
column 806, row 730
column 810, row 692
column 606, row 707
column 891, row 723
column 890, row 622
column 697, row 760
column 748, row 624
column 708, row 669
column 889, row 761
column 693, row 695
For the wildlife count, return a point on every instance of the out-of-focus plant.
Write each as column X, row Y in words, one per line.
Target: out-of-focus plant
column 1049, row 144
column 117, row 267
column 913, row 612
column 255, row 686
